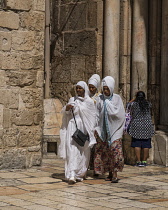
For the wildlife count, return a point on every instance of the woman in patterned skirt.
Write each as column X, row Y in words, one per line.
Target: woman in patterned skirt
column 94, row 89
column 141, row 127
column 109, row 131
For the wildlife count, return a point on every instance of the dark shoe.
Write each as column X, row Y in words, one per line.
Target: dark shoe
column 95, row 175
column 138, row 164
column 114, row 180
column 144, row 164
column 109, row 177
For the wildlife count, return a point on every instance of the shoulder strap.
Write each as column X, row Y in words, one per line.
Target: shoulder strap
column 74, row 119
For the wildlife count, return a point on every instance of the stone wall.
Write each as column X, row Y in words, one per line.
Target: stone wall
column 76, row 44
column 21, row 85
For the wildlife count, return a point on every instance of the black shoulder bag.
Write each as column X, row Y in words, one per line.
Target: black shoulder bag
column 79, row 137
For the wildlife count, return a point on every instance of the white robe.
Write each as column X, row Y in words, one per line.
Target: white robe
column 116, row 116
column 76, row 157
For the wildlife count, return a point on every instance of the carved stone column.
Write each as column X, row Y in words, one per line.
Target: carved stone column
column 111, row 40
column 139, row 46
column 164, row 66
column 125, row 49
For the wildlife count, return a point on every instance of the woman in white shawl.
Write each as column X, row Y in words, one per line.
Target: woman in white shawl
column 77, row 157
column 111, row 114
column 94, row 88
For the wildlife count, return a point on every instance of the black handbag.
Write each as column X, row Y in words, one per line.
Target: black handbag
column 79, row 137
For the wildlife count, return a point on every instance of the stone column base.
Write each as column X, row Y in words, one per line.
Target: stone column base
column 161, row 148
column 129, row 153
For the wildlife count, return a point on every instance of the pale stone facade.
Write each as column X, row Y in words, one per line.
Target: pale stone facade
column 21, row 86
column 126, row 39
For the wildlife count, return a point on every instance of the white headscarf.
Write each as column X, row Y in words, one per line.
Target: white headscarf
column 84, row 86
column 95, row 80
column 110, row 83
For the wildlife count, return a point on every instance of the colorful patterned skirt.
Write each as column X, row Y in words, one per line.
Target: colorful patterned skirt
column 108, row 158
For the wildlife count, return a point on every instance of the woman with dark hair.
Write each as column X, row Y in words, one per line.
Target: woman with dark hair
column 141, row 128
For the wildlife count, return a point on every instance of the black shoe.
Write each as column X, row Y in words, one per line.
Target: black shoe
column 144, row 164
column 139, row 164
column 114, row 180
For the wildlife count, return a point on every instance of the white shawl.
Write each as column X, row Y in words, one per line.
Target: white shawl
column 95, row 80
column 115, row 112
column 84, row 109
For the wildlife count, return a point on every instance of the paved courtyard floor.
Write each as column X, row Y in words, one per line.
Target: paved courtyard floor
column 42, row 188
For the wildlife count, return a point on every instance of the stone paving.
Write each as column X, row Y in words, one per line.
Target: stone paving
column 42, row 188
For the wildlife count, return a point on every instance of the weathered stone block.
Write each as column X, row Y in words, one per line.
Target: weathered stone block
column 78, row 12
column 19, row 4
column 80, row 43
column 1, row 115
column 92, row 15
column 60, row 76
column 29, row 136
column 40, row 79
column 36, row 160
column 13, row 98
column 5, row 41
column 5, row 100
column 7, row 118
column 10, row 61
column 23, row 40
column 90, row 64
column 33, row 21
column 9, row 20
column 22, row 117
column 34, row 148
column 26, row 61
column 100, row 13
column 1, row 141
column 77, row 68
column 3, row 79
column 13, row 158
column 38, row 117
column 10, row 137
column 1, row 133
column 29, row 61
column 38, row 43
column 21, row 78
column 39, row 5
column 32, row 98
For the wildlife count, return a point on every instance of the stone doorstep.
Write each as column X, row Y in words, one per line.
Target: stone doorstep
column 51, row 138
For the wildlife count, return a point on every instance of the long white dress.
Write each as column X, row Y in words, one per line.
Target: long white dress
column 76, row 157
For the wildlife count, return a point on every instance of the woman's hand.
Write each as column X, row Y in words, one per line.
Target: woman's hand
column 68, row 107
column 95, row 134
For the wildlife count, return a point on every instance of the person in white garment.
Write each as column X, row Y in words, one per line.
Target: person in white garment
column 109, row 131
column 77, row 157
column 94, row 88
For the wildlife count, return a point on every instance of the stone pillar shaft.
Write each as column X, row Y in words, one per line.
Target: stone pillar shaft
column 125, row 50
column 164, row 66
column 139, row 46
column 111, row 39
column 47, row 49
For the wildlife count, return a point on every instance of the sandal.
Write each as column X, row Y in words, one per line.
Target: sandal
column 114, row 180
